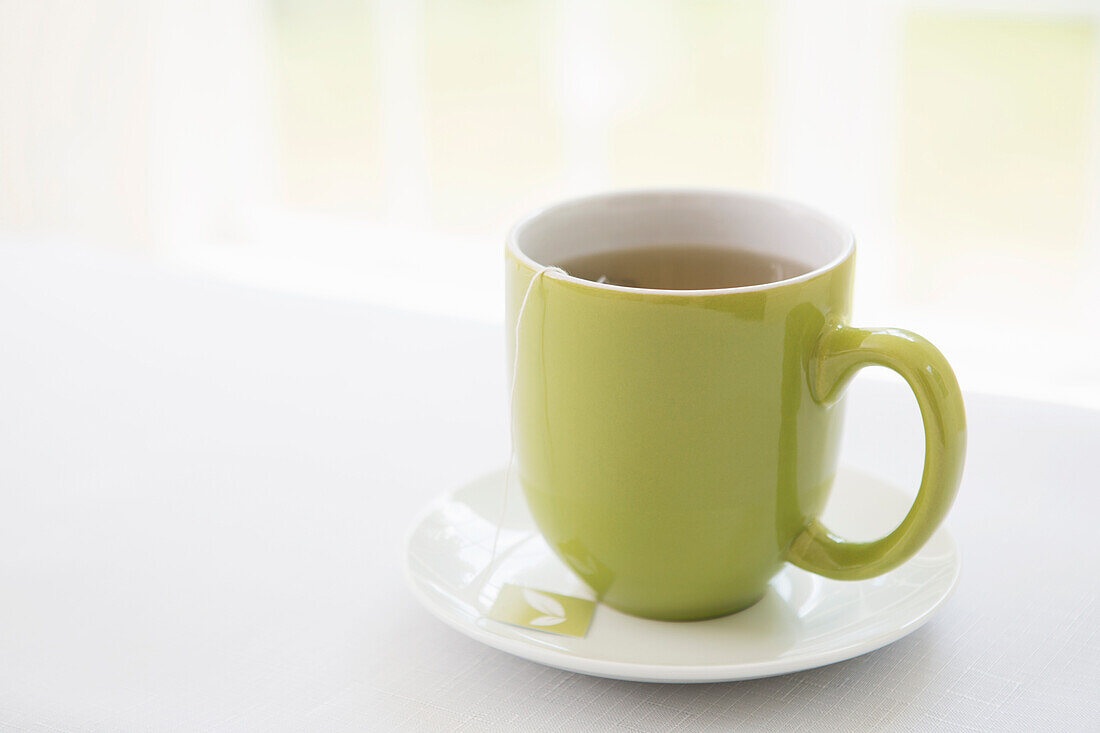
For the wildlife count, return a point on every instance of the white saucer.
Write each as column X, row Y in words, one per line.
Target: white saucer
column 804, row 621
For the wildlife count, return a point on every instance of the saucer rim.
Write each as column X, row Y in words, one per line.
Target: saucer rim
column 658, row 673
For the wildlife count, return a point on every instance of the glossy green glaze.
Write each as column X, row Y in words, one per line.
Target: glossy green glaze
column 842, row 351
column 676, row 449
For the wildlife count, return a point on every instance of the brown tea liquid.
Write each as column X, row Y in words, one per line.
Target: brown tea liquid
column 683, row 267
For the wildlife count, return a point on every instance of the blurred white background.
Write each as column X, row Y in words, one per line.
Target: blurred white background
column 378, row 151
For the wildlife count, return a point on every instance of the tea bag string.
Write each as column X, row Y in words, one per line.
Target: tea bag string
column 537, row 277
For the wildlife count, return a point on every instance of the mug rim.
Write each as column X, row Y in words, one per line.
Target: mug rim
column 849, row 242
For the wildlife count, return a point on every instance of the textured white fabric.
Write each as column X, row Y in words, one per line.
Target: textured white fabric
column 204, row 492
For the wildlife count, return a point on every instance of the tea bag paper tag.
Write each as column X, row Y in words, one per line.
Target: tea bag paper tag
column 543, row 611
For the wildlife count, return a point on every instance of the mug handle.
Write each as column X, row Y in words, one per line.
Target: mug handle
column 842, row 351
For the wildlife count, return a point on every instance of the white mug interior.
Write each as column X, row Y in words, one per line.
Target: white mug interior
column 611, row 222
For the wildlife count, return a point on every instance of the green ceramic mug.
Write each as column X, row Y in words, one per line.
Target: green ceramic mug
column 676, row 447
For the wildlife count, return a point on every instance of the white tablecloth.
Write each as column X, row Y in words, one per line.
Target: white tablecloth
column 204, row 491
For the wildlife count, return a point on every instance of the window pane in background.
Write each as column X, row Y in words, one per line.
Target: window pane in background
column 326, row 106
column 995, row 188
column 494, row 135
column 697, row 105
column 997, row 252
